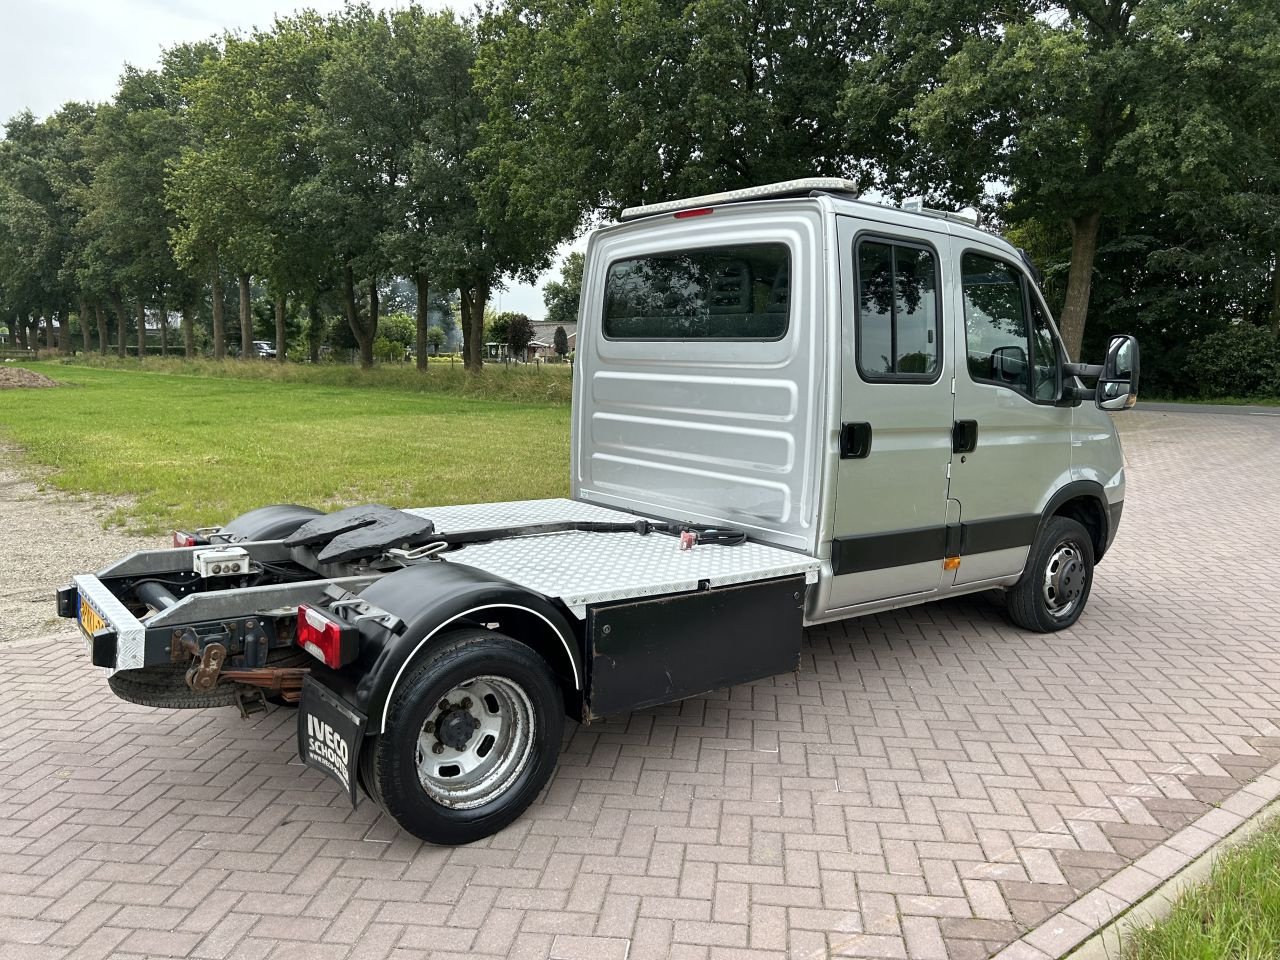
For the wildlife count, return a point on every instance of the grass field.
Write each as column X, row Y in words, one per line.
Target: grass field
column 193, row 450
column 1235, row 915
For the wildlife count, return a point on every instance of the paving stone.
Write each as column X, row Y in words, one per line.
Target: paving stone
column 933, row 783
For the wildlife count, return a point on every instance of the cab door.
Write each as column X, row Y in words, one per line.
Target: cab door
column 1013, row 438
column 889, row 529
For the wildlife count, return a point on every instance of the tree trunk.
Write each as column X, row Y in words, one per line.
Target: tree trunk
column 20, row 331
column 420, row 320
column 313, row 330
column 122, row 333
column 102, row 328
column 473, row 304
column 1075, row 311
column 1275, row 297
column 246, row 320
column 372, row 323
column 84, row 327
column 63, row 317
column 280, row 305
column 50, row 341
column 352, row 309
column 164, row 329
column 142, row 329
column 219, row 322
column 188, row 330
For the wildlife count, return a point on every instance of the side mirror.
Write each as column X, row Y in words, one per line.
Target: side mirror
column 1118, row 382
column 1009, row 364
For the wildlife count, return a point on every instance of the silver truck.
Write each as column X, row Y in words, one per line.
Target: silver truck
column 789, row 406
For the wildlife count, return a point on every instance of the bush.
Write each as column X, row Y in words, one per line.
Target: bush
column 1241, row 361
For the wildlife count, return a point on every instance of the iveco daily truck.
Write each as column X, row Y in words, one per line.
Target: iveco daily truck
column 789, row 406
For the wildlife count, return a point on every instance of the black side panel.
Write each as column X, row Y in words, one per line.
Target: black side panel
column 998, row 533
column 652, row 651
column 880, row 550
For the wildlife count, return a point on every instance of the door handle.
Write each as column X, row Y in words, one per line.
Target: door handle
column 964, row 436
column 855, row 441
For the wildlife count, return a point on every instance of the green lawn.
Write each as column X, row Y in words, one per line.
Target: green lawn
column 1235, row 915
column 194, row 450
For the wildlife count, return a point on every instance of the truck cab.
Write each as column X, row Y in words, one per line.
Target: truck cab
column 882, row 389
column 789, row 406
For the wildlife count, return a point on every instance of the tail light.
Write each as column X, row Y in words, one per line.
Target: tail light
column 183, row 539
column 328, row 640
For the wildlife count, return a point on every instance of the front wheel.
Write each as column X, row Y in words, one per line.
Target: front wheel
column 472, row 735
column 1055, row 586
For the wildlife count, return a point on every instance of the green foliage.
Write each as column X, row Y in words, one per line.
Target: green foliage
column 398, row 328
column 436, row 338
column 519, row 334
column 1234, row 914
column 1241, row 360
column 561, row 296
column 560, row 341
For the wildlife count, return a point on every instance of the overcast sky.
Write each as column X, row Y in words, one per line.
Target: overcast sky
column 52, row 51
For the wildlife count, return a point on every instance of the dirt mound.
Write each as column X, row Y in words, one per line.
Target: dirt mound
column 14, row 377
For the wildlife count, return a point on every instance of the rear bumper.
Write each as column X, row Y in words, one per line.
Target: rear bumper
column 120, row 642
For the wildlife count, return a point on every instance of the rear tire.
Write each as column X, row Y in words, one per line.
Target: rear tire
column 472, row 736
column 1055, row 585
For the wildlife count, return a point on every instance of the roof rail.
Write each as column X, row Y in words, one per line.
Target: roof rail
column 769, row 191
column 916, row 205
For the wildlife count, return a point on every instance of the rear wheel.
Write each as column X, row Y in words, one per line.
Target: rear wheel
column 1055, row 585
column 472, row 736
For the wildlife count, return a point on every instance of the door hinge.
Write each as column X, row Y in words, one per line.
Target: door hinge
column 953, row 386
column 948, row 469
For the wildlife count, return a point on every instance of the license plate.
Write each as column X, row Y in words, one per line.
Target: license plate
column 329, row 734
column 90, row 620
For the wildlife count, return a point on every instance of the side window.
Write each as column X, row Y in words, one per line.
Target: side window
column 1044, row 353
column 995, row 322
column 898, row 332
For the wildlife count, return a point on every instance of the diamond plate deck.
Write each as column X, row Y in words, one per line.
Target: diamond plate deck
column 584, row 568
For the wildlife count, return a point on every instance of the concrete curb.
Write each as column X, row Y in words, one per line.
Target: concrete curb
column 1093, row 927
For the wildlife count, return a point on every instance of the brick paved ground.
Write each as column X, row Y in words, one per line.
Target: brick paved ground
column 932, row 783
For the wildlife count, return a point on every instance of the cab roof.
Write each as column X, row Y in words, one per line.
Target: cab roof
column 842, row 192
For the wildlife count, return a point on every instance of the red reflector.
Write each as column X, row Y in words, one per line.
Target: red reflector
column 324, row 638
column 181, row 539
column 700, row 212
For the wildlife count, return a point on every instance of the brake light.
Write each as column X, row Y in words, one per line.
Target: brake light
column 183, row 539
column 326, row 639
column 685, row 214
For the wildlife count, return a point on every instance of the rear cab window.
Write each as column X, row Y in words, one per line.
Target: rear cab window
column 737, row 292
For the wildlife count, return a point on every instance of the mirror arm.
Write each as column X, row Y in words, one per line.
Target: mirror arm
column 1073, row 396
column 1090, row 370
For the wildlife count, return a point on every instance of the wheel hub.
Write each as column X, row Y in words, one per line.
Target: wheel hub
column 455, row 727
column 477, row 742
column 1064, row 579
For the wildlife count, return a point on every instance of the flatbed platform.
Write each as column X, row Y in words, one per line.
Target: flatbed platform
column 586, row 568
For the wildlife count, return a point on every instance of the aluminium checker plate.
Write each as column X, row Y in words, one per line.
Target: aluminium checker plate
column 584, row 568
column 130, row 633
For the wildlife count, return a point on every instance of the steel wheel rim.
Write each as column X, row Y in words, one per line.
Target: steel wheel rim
column 497, row 750
column 1064, row 579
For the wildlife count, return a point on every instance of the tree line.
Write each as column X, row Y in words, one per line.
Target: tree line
column 1132, row 146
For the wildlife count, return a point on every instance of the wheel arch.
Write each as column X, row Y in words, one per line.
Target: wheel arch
column 436, row 598
column 1084, row 501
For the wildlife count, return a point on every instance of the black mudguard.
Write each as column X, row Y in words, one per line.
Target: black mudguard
column 431, row 597
column 269, row 523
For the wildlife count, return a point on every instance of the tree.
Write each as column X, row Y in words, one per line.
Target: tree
column 436, row 338
column 561, row 296
column 519, row 334
column 560, row 341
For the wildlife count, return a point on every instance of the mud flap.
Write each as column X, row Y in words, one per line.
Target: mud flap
column 329, row 734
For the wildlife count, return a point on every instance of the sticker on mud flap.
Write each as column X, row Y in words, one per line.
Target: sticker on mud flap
column 329, row 735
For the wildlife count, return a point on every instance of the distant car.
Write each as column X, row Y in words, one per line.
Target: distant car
column 263, row 349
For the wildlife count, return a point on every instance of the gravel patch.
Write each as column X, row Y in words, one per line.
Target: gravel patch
column 12, row 378
column 48, row 537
